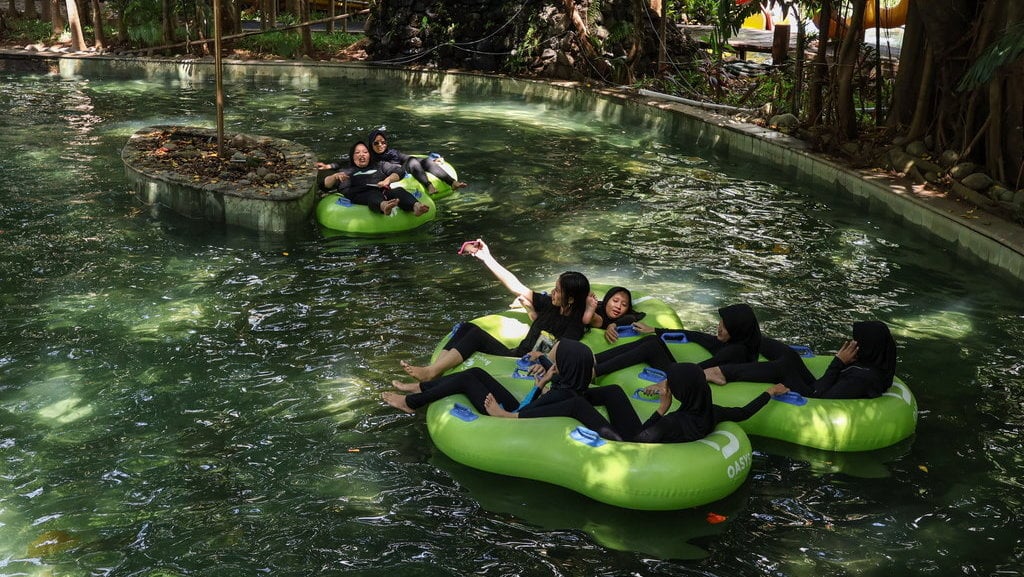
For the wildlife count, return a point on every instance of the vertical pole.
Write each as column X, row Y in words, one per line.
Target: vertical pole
column 878, row 63
column 780, row 44
column 218, row 78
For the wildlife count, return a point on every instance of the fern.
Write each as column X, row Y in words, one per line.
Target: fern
column 1007, row 49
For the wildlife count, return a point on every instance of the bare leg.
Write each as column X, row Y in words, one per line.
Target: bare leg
column 397, row 401
column 715, row 375
column 494, row 409
column 448, row 358
column 407, row 387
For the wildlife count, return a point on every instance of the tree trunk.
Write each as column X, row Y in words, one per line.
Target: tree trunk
column 121, row 25
column 12, row 8
column 846, row 67
column 307, row 36
column 30, row 10
column 167, row 29
column 819, row 69
column 97, row 17
column 75, row 25
column 1005, row 149
column 56, row 20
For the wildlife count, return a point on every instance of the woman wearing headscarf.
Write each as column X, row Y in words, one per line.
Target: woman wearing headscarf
column 417, row 167
column 615, row 310
column 565, row 313
column 863, row 367
column 737, row 340
column 369, row 183
column 694, row 418
column 570, row 373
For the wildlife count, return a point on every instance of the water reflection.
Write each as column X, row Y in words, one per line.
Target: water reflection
column 180, row 399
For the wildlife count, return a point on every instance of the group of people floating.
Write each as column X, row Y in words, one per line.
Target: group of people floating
column 373, row 168
column 863, row 367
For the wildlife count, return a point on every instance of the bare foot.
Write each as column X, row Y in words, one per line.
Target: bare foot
column 406, row 387
column 386, row 206
column 496, row 410
column 419, row 373
column 459, row 184
column 397, row 401
column 420, row 209
column 431, row 190
column 715, row 375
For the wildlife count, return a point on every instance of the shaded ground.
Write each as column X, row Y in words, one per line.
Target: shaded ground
column 195, row 157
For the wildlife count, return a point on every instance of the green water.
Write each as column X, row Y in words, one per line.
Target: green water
column 180, row 399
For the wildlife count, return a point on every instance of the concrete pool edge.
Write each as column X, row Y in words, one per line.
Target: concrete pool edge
column 986, row 236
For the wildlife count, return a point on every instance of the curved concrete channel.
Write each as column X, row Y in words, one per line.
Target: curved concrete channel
column 985, row 236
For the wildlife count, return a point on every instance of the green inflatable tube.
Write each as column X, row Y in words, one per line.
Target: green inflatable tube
column 828, row 424
column 632, row 475
column 443, row 188
column 511, row 326
column 336, row 212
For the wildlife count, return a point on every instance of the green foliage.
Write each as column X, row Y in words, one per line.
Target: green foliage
column 288, row 43
column 28, row 31
column 525, row 50
column 142, row 19
column 334, row 42
column 1007, row 49
column 283, row 43
column 620, row 32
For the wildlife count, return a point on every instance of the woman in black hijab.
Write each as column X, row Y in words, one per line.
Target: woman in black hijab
column 863, row 367
column 694, row 418
column 369, row 182
column 738, row 340
column 417, row 167
column 570, row 373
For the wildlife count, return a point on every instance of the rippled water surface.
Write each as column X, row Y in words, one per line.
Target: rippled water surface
column 178, row 399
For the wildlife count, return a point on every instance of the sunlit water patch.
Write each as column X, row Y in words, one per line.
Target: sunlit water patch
column 181, row 399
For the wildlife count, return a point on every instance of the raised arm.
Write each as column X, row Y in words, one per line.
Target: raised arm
column 482, row 252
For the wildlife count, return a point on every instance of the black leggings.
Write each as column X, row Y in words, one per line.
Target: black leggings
column 650, row 350
column 372, row 196
column 477, row 383
column 622, row 421
column 784, row 366
column 653, row 351
column 469, row 339
column 419, row 168
column 437, row 170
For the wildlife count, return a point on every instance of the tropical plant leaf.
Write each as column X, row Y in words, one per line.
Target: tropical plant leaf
column 1008, row 48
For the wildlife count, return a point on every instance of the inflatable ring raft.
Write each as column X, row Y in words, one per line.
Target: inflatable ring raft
column 829, row 424
column 443, row 188
column 558, row 450
column 336, row 212
column 511, row 326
